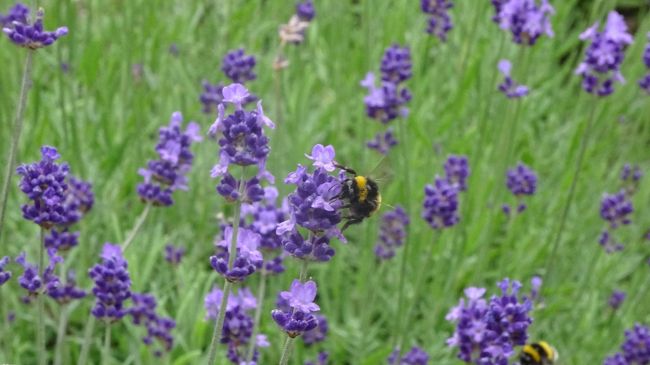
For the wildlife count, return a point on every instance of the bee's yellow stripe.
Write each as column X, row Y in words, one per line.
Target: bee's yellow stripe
column 548, row 349
column 528, row 349
column 363, row 190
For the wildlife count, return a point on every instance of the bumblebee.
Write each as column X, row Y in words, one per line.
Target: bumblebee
column 361, row 196
column 538, row 353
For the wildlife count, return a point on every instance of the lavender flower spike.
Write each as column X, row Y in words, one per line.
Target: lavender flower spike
column 31, row 36
column 509, row 87
column 4, row 275
column 238, row 66
column 112, row 284
column 440, row 206
column 644, row 83
column 248, row 258
column 525, row 19
column 439, row 21
column 636, row 348
column 616, row 299
column 616, row 208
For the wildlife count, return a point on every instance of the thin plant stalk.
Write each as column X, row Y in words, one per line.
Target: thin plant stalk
column 60, row 336
column 136, row 227
column 574, row 181
column 18, row 127
column 85, row 347
column 261, row 290
column 107, row 345
column 40, row 333
column 287, row 348
column 227, row 286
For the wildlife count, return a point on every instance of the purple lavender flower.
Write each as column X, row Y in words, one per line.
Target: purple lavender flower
column 509, row 87
column 383, row 142
column 386, row 102
column 392, row 232
column 67, row 291
column 112, row 284
column 440, row 206
column 608, row 242
column 174, row 254
column 631, row 173
column 498, row 5
column 521, row 180
column 322, row 359
column 416, row 356
column 396, row 66
column 536, row 284
column 229, row 188
column 61, row 240
column 644, row 82
column 248, row 259
column 305, row 10
column 168, row 173
column 299, row 318
column 616, row 209
column 238, row 66
column 30, row 279
column 457, row 171
column 211, row 96
column 80, row 196
column 525, row 19
column 17, row 28
column 439, row 21
column 616, row 299
column 4, row 275
column 604, row 56
column 486, row 333
column 44, row 183
column 635, row 349
column 317, row 334
column 315, row 248
column 323, row 157
column 143, row 312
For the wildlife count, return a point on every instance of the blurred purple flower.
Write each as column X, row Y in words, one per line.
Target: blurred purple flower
column 238, row 66
column 4, row 275
column 383, row 142
column 174, row 254
column 317, row 334
column 392, row 232
column 457, row 171
column 322, row 359
column 305, row 10
column 509, row 87
column 18, row 13
column 143, row 312
column 440, row 206
column 416, row 356
column 616, row 209
column 396, row 66
column 525, row 19
column 439, row 20
column 635, row 350
column 17, row 28
column 616, row 299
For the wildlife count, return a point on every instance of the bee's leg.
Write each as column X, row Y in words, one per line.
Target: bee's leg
column 350, row 221
column 346, row 169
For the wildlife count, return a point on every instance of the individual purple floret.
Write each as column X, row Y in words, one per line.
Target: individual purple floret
column 298, row 319
column 604, row 56
column 317, row 334
column 4, row 275
column 322, row 359
column 305, row 10
column 616, row 209
column 487, row 332
column 439, row 21
column 616, row 299
column 392, row 232
column 143, row 312
column 174, row 254
column 416, row 356
column 396, row 66
column 457, row 171
column 112, row 284
column 248, row 257
column 17, row 28
column 509, row 87
column 440, row 206
column 168, row 173
column 386, row 102
column 535, row 284
column 238, row 66
column 525, row 19
column 68, row 291
column 635, row 349
column 383, row 142
column 44, row 183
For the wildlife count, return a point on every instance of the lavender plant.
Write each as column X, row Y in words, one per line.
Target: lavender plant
column 644, row 82
column 521, row 181
column 440, row 22
column 635, row 350
column 415, row 356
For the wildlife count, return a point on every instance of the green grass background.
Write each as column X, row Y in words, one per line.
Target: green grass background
column 105, row 121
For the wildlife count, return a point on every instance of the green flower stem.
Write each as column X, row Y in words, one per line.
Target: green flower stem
column 136, row 227
column 18, row 127
column 60, row 335
column 40, row 333
column 85, row 347
column 287, row 348
column 107, row 345
column 227, row 286
column 258, row 315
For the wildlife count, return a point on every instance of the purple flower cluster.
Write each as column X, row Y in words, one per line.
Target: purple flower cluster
column 317, row 334
column 392, row 232
column 17, row 28
column 487, row 332
column 68, row 291
column 44, row 183
column 616, row 299
column 441, row 204
column 644, row 83
column 635, row 350
column 174, row 254
column 298, row 318
column 631, row 176
column 383, row 142
column 521, row 181
column 4, row 275
column 439, row 20
column 509, row 87
column 79, row 199
column 112, row 284
column 525, row 19
column 604, row 56
column 238, row 66
column 30, row 279
column 388, row 101
column 416, row 356
column 248, row 258
column 457, row 171
column 305, row 10
column 322, row 359
column 616, row 209
column 143, row 312
column 238, row 325
column 168, row 173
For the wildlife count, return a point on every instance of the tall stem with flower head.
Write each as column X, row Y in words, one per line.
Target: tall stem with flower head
column 18, row 127
column 227, row 286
